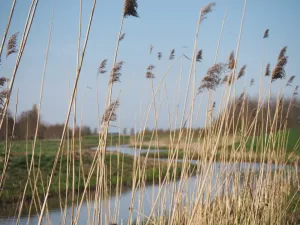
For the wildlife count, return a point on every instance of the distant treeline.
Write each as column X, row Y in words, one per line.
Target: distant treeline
column 25, row 127
column 282, row 113
column 279, row 113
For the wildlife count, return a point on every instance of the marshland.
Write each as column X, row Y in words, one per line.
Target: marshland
column 149, row 112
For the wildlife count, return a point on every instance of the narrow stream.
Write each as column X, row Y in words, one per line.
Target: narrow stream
column 149, row 193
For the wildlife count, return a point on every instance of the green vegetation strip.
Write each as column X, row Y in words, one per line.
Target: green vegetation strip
column 17, row 173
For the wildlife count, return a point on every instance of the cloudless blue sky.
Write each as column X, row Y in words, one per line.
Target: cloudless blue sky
column 165, row 24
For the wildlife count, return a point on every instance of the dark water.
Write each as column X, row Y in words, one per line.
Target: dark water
column 186, row 188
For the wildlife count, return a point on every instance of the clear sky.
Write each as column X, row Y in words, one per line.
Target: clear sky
column 165, row 24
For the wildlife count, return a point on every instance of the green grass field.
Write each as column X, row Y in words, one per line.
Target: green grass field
column 49, row 147
column 291, row 137
column 16, row 174
column 292, row 144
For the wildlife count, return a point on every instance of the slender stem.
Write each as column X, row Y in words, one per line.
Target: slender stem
column 69, row 111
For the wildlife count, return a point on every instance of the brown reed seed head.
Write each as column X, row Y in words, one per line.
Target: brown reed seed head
column 122, row 37
column 12, row 44
column 151, row 48
column 3, row 80
column 102, row 66
column 150, row 67
column 296, row 90
column 206, row 10
column 251, row 82
column 242, row 71
column 116, row 72
column 149, row 73
column 225, row 79
column 110, row 112
column 130, row 8
column 212, row 78
column 268, row 72
column 279, row 69
column 159, row 55
column 282, row 53
column 4, row 93
column 290, row 81
column 266, row 34
column 231, row 61
column 241, row 98
column 199, row 56
column 172, row 54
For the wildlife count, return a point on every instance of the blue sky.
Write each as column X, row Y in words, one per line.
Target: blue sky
column 165, row 24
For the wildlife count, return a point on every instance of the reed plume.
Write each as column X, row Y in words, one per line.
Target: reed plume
column 116, row 72
column 149, row 73
column 231, row 61
column 151, row 48
column 282, row 53
column 279, row 69
column 4, row 93
column 296, row 90
column 172, row 54
column 212, row 78
column 130, row 8
column 199, row 56
column 206, row 10
column 241, row 98
column 290, row 81
column 268, row 72
column 251, row 82
column 3, row 80
column 12, row 44
column 266, row 34
column 150, row 67
column 213, row 106
column 102, row 66
column 242, row 71
column 122, row 37
column 225, row 79
column 110, row 112
column 159, row 55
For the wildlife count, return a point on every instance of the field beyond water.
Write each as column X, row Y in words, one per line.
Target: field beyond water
column 119, row 165
column 254, row 146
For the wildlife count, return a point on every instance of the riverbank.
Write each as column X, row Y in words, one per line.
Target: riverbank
column 250, row 151
column 118, row 166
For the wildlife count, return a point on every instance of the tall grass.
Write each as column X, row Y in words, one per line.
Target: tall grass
column 235, row 170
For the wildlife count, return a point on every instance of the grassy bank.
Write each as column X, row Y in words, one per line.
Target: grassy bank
column 17, row 173
column 49, row 147
column 255, row 145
